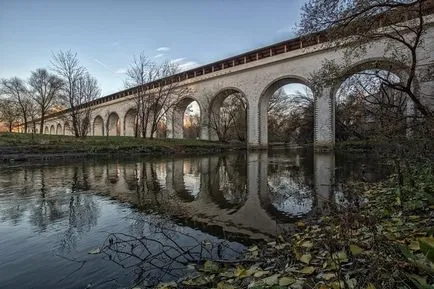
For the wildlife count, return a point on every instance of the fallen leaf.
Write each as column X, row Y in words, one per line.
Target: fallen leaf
column 355, row 250
column 210, row 266
column 94, row 251
column 307, row 270
column 285, row 281
column 306, row 258
column 307, row 244
column 328, row 276
column 272, row 280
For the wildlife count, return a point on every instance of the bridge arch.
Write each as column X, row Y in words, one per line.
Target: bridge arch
column 178, row 120
column 59, row 129
column 360, row 88
column 264, row 101
column 131, row 125
column 52, row 129
column 66, row 129
column 113, row 124
column 220, row 110
column 98, row 126
column 46, row 130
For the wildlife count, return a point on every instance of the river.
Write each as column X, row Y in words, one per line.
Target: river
column 146, row 219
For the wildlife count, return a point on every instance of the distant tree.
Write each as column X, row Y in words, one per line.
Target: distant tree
column 45, row 91
column 79, row 88
column 9, row 113
column 229, row 121
column 15, row 88
column 290, row 116
column 362, row 21
column 152, row 103
column 191, row 123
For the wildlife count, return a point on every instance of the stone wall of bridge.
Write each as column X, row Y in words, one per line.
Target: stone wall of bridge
column 257, row 81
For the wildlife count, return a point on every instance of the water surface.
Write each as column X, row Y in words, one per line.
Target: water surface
column 153, row 217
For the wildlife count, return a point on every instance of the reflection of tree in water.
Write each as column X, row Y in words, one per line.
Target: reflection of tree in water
column 131, row 174
column 157, row 250
column 82, row 217
column 48, row 208
column 113, row 173
column 148, row 185
column 14, row 210
column 231, row 178
column 50, row 203
column 289, row 195
column 290, row 186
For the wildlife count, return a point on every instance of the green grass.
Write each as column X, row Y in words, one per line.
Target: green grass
column 27, row 143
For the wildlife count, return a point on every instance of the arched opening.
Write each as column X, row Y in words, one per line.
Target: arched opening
column 286, row 113
column 46, row 130
column 59, row 129
column 98, row 126
column 367, row 106
column 131, row 127
column 186, row 119
column 66, row 129
column 228, row 116
column 52, row 129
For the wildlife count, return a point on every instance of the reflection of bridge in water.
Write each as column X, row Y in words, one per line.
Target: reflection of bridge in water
column 254, row 195
column 230, row 194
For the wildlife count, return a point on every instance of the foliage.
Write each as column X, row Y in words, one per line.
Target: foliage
column 371, row 242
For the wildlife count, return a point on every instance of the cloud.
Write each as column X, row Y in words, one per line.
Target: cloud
column 116, row 43
column 121, row 71
column 101, row 63
column 163, row 48
column 159, row 55
column 177, row 60
column 188, row 65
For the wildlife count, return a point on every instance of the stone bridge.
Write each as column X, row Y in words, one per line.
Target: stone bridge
column 257, row 75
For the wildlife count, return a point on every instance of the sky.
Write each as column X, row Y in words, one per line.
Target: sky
column 106, row 35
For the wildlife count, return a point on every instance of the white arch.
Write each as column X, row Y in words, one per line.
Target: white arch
column 264, row 99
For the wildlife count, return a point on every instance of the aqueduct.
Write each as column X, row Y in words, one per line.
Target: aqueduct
column 256, row 75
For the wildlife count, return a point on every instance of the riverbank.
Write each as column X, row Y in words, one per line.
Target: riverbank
column 377, row 236
column 26, row 147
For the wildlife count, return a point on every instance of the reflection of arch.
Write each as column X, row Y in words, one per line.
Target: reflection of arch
column 59, row 129
column 187, row 192
column 216, row 104
column 228, row 181
column 98, row 126
column 283, row 190
column 113, row 124
column 131, row 123
column 52, row 129
column 264, row 100
column 178, row 116
column 131, row 176
column 66, row 129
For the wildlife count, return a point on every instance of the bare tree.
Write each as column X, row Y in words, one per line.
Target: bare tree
column 17, row 92
column 80, row 88
column 229, row 121
column 45, row 91
column 9, row 113
column 362, row 21
column 153, row 102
